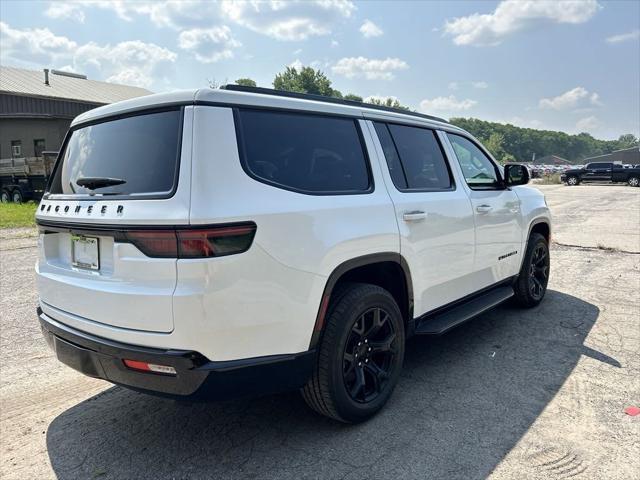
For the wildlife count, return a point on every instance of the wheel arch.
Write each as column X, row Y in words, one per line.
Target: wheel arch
column 388, row 270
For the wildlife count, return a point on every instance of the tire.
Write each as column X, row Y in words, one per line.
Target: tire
column 351, row 381
column 633, row 181
column 572, row 181
column 531, row 284
column 16, row 196
column 5, row 196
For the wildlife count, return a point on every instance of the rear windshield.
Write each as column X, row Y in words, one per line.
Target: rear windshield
column 138, row 153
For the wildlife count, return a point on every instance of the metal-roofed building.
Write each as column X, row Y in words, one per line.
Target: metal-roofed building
column 36, row 107
column 626, row 155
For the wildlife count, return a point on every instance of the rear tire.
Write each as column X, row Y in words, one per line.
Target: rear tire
column 16, row 196
column 360, row 355
column 531, row 284
column 633, row 181
column 5, row 196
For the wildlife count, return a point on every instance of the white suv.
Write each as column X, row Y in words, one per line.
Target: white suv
column 217, row 243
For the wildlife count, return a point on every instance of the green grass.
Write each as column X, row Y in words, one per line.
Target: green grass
column 14, row 215
column 552, row 179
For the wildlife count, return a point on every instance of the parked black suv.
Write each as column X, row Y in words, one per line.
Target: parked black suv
column 602, row 172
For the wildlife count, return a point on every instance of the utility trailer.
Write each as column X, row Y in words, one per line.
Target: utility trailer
column 25, row 178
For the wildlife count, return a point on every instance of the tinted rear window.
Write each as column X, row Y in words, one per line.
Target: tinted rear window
column 141, row 150
column 422, row 159
column 305, row 153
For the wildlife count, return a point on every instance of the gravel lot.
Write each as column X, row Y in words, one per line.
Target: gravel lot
column 513, row 394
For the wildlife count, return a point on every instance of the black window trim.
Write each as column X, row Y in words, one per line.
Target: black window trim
column 501, row 183
column 452, row 188
column 240, row 140
column 142, row 196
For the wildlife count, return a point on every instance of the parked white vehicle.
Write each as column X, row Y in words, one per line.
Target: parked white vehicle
column 226, row 242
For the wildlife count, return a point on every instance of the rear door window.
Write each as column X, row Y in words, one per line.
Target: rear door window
column 313, row 154
column 142, row 151
column 415, row 154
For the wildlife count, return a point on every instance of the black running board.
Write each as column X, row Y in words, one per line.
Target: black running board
column 444, row 320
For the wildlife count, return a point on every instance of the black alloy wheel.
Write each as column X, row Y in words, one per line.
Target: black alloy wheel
column 368, row 355
column 539, row 272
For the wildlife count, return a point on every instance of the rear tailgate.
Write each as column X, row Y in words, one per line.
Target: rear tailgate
column 87, row 268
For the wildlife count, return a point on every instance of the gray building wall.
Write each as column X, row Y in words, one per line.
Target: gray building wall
column 52, row 130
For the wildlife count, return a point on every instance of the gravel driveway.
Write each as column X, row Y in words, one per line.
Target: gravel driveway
column 512, row 394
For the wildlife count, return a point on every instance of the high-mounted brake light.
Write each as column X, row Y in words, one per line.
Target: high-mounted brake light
column 197, row 242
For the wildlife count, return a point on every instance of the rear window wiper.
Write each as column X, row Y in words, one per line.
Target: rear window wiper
column 92, row 183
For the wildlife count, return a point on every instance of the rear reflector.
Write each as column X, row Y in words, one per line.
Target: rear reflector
column 197, row 242
column 149, row 367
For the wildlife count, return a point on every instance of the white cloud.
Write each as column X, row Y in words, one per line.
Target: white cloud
column 453, row 86
column 624, row 37
column 208, row 45
column 369, row 68
column 571, row 99
column 293, row 20
column 525, row 122
column 511, row 16
column 446, row 104
column 297, row 64
column 133, row 62
column 587, row 124
column 39, row 45
column 369, row 29
column 595, row 99
column 480, row 84
column 65, row 11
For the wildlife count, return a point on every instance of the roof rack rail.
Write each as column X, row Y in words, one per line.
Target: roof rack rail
column 321, row 98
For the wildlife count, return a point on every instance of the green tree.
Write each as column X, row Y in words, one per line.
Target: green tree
column 627, row 140
column 387, row 102
column 307, row 80
column 246, row 82
column 495, row 145
column 353, row 97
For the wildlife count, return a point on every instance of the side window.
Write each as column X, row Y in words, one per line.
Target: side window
column 414, row 156
column 391, row 154
column 302, row 152
column 16, row 148
column 478, row 170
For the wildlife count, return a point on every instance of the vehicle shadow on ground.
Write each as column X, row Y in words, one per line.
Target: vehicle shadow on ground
column 463, row 402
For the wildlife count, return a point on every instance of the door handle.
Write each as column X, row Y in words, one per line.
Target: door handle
column 414, row 216
column 484, row 208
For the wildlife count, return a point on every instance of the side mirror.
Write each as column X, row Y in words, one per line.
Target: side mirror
column 516, row 175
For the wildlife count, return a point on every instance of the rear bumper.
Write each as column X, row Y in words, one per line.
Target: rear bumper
column 196, row 377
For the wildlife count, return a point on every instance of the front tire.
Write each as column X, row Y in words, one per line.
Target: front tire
column 572, row 181
column 360, row 355
column 531, row 284
column 633, row 181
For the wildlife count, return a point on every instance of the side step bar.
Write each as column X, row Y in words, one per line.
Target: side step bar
column 441, row 321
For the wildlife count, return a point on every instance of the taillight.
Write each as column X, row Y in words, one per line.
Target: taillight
column 155, row 243
column 198, row 242
column 215, row 242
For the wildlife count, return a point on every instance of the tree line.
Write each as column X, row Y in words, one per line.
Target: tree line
column 505, row 141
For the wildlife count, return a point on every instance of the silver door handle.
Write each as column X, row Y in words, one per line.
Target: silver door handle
column 484, row 208
column 414, row 216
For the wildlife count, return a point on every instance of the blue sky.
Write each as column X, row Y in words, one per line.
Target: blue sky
column 562, row 65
